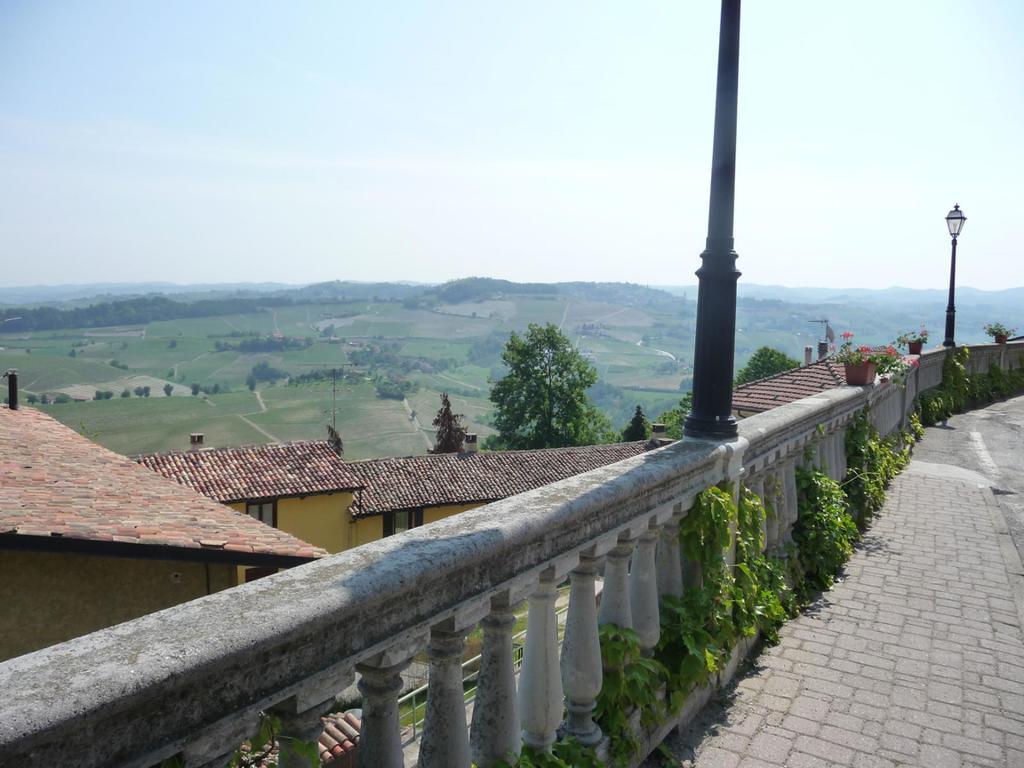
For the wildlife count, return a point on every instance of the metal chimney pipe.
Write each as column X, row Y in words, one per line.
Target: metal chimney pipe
column 12, row 389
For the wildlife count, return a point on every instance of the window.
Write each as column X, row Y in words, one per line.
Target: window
column 402, row 520
column 265, row 512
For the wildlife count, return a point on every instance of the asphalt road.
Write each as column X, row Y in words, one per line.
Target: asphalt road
column 989, row 442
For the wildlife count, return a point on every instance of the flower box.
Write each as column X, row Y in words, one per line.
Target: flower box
column 859, row 375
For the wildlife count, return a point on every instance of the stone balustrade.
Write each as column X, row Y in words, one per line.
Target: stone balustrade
column 189, row 682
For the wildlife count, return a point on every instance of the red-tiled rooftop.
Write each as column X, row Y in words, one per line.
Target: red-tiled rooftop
column 257, row 471
column 786, row 387
column 412, row 482
column 60, row 489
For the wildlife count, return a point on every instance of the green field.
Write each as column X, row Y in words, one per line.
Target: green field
column 437, row 349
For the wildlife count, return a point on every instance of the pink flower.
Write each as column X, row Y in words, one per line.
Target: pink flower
column 847, row 335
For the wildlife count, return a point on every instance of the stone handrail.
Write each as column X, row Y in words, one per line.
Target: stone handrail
column 190, row 681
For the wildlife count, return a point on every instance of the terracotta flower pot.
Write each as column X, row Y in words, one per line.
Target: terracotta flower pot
column 1000, row 338
column 859, row 375
column 914, row 347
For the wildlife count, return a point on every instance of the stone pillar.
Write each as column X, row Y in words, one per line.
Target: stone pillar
column 841, row 452
column 774, row 507
column 581, row 654
column 757, row 485
column 299, row 727
column 643, row 591
column 792, row 511
column 380, row 741
column 615, row 606
column 540, row 681
column 495, row 732
column 669, row 559
column 445, row 742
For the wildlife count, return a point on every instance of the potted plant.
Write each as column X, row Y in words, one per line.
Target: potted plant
column 998, row 331
column 913, row 340
column 859, row 362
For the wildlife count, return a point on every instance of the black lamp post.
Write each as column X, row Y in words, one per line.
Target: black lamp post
column 955, row 221
column 711, row 416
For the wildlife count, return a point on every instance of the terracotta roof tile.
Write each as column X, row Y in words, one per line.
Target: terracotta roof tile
column 412, row 482
column 788, row 386
column 256, row 471
column 56, row 483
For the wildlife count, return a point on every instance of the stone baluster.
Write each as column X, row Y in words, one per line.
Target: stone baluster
column 615, row 605
column 774, row 506
column 540, row 682
column 643, row 590
column 495, row 732
column 445, row 742
column 668, row 557
column 788, row 520
column 581, row 654
column 841, row 452
column 299, row 727
column 757, row 485
column 833, row 461
column 380, row 683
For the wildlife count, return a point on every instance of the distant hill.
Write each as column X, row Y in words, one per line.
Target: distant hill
column 889, row 297
column 56, row 294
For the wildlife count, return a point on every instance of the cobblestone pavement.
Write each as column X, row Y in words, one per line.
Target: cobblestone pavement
column 916, row 658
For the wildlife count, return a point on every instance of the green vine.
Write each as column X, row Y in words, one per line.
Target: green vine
column 824, row 531
column 872, row 462
column 631, row 683
column 566, row 753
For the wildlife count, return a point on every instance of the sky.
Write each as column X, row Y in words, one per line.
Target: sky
column 535, row 141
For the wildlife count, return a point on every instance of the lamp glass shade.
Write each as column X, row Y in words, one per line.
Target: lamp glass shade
column 955, row 220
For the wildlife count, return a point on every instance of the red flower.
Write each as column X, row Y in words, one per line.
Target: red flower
column 847, row 335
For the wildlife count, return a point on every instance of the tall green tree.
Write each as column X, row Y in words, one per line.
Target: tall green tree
column 637, row 428
column 763, row 363
column 450, row 432
column 542, row 401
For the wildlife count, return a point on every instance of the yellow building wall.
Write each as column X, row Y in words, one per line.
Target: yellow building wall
column 321, row 520
column 49, row 597
column 364, row 530
column 432, row 514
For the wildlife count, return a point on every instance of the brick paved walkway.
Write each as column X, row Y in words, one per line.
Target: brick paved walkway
column 915, row 659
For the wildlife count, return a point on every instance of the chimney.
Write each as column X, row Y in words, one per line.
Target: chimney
column 822, row 350
column 808, row 355
column 12, row 389
column 658, row 430
column 469, row 443
column 196, row 441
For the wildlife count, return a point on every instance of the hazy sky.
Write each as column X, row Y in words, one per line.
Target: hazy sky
column 247, row 141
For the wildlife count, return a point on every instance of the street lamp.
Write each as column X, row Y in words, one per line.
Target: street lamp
column 715, row 347
column 955, row 221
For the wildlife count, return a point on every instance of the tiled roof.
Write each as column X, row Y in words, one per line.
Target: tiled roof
column 56, row 484
column 340, row 739
column 785, row 387
column 256, row 471
column 412, row 482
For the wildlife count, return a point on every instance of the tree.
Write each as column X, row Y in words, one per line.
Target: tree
column 139, row 391
column 450, row 432
column 32, row 399
column 195, row 389
column 542, row 402
column 126, row 392
column 763, row 363
column 168, row 389
column 145, row 391
column 638, row 427
column 674, row 419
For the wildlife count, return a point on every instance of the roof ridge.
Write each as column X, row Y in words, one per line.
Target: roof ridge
column 788, row 370
column 217, row 449
column 518, row 452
